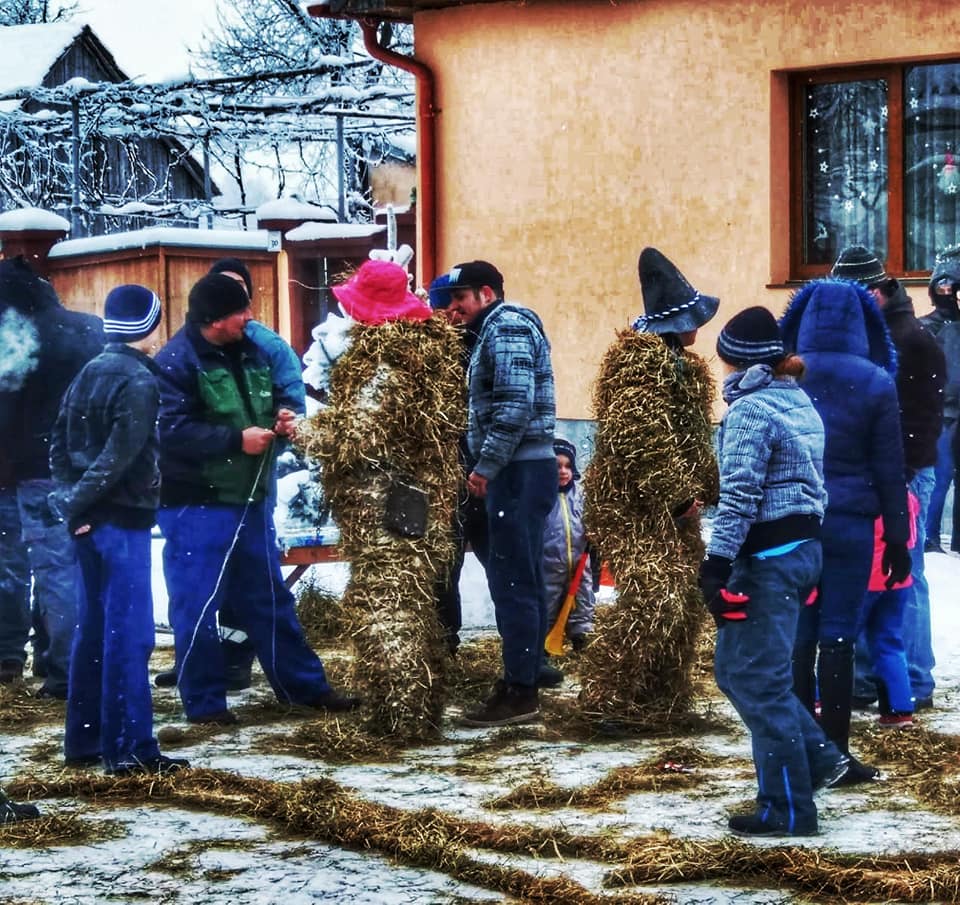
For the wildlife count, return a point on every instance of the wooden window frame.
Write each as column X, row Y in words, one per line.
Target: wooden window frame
column 894, row 74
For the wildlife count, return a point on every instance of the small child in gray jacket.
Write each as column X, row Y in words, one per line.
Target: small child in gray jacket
column 564, row 542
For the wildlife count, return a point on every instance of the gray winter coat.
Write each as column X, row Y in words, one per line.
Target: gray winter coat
column 564, row 540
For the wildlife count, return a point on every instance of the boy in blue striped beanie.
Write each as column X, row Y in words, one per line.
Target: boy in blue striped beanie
column 103, row 456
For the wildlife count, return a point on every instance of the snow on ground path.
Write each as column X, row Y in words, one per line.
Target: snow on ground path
column 457, row 778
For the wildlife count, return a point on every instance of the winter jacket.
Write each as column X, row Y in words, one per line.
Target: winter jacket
column 208, row 395
column 770, row 451
column 837, row 328
column 103, row 448
column 878, row 578
column 564, row 540
column 949, row 341
column 510, row 381
column 936, row 320
column 43, row 346
column 921, row 378
column 285, row 367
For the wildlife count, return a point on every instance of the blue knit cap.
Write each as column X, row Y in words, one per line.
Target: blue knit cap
column 751, row 337
column 440, row 296
column 563, row 447
column 130, row 313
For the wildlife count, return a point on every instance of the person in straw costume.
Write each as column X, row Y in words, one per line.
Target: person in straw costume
column 652, row 470
column 387, row 446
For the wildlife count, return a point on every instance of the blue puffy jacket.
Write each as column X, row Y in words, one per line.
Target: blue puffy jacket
column 838, row 329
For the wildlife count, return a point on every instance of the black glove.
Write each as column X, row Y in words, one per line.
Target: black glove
column 725, row 605
column 895, row 564
column 714, row 572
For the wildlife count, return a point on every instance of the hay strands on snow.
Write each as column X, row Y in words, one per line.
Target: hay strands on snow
column 323, row 810
column 663, row 859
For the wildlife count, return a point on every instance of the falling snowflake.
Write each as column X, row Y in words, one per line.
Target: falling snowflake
column 824, row 167
column 874, row 166
column 848, row 205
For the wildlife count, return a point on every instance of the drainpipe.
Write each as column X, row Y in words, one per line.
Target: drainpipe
column 426, row 119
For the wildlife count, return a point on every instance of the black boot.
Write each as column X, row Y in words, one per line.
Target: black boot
column 836, row 692
column 883, row 698
column 804, row 679
column 238, row 659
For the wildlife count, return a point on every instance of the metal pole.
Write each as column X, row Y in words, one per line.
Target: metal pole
column 207, row 184
column 75, row 224
column 341, row 173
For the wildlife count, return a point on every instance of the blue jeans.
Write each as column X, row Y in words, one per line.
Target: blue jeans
column 55, row 576
column 109, row 708
column 917, row 639
column 915, row 602
column 752, row 668
column 883, row 613
column 847, row 558
column 14, row 581
column 197, row 551
column 519, row 499
column 944, row 474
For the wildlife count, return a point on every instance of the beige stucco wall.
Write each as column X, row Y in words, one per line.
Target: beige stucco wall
column 571, row 134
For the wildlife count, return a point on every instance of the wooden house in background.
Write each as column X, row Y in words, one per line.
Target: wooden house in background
column 115, row 173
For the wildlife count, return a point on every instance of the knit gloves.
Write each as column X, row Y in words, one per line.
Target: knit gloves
column 726, row 606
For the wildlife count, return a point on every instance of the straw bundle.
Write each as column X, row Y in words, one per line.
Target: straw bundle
column 653, row 455
column 397, row 411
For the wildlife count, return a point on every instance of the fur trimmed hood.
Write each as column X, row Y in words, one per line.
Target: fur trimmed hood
column 838, row 316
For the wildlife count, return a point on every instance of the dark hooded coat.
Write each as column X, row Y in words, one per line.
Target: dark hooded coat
column 43, row 346
column 837, row 327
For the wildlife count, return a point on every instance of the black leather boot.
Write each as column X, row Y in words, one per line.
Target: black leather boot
column 835, row 676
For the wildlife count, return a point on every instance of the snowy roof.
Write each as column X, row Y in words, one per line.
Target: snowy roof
column 294, row 209
column 310, row 232
column 252, row 240
column 27, row 53
column 32, row 218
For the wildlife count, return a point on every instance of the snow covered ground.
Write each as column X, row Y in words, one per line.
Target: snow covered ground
column 218, row 858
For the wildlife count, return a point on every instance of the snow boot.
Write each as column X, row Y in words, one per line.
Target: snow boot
column 508, row 705
column 756, row 825
column 11, row 812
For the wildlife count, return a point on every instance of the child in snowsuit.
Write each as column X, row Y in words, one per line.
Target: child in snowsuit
column 564, row 542
column 763, row 559
column 103, row 455
column 881, row 625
